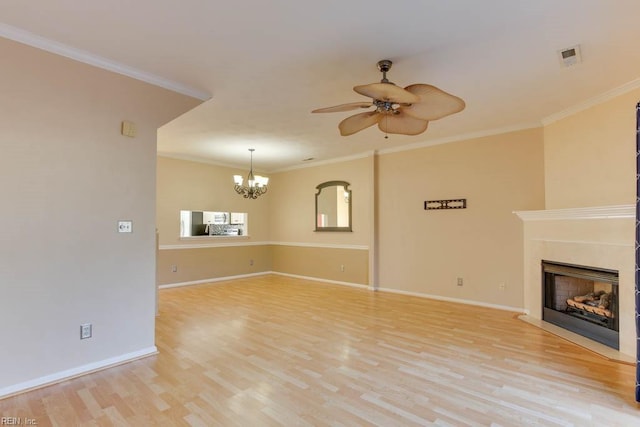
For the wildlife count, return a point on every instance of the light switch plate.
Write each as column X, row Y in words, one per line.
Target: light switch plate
column 125, row 226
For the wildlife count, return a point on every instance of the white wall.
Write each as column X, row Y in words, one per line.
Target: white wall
column 67, row 176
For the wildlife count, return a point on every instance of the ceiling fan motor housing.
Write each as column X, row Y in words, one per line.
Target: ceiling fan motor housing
column 387, row 107
column 384, row 66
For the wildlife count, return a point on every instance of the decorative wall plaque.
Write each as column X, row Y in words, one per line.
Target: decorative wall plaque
column 445, row 204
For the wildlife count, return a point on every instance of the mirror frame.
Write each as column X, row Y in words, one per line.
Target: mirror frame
column 319, row 187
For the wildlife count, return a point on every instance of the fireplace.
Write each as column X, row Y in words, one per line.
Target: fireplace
column 583, row 300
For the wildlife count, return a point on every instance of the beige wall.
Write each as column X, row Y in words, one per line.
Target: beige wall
column 426, row 251
column 419, row 251
column 186, row 185
column 67, row 177
column 335, row 264
column 292, row 210
column 196, row 264
column 285, row 216
column 292, row 221
column 590, row 156
column 589, row 162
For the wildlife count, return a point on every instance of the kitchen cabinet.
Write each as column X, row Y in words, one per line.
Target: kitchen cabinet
column 215, row 217
column 237, row 217
column 209, row 223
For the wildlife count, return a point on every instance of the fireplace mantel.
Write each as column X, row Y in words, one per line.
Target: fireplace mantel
column 601, row 236
column 595, row 212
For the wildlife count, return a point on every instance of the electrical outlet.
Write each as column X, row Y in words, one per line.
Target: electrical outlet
column 459, row 281
column 85, row 331
column 502, row 286
column 125, row 226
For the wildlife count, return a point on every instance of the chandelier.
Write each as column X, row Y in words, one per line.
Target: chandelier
column 256, row 185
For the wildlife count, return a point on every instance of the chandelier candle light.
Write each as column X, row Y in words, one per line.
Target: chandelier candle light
column 256, row 186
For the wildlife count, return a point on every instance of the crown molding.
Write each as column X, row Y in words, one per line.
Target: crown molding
column 592, row 102
column 39, row 42
column 326, row 162
column 196, row 159
column 188, row 158
column 596, row 212
column 462, row 137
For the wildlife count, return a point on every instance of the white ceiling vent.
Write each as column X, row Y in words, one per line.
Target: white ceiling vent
column 570, row 56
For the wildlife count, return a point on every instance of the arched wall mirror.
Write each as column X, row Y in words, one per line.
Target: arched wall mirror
column 333, row 206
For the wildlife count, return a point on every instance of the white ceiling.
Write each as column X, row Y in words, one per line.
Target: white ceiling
column 266, row 64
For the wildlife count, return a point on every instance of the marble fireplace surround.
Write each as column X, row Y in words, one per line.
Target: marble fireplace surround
column 601, row 237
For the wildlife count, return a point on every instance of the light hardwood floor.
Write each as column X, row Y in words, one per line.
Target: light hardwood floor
column 275, row 350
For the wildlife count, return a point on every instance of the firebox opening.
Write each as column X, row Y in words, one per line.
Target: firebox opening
column 583, row 300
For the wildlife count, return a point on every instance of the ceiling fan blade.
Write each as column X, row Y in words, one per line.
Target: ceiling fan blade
column 434, row 103
column 357, row 122
column 344, row 107
column 402, row 124
column 387, row 92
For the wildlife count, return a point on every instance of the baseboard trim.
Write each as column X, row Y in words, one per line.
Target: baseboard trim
column 68, row 374
column 318, row 279
column 354, row 285
column 211, row 280
column 455, row 300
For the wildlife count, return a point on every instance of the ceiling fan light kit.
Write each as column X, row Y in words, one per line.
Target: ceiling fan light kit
column 401, row 111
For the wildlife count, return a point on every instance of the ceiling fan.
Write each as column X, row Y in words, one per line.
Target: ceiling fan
column 405, row 111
